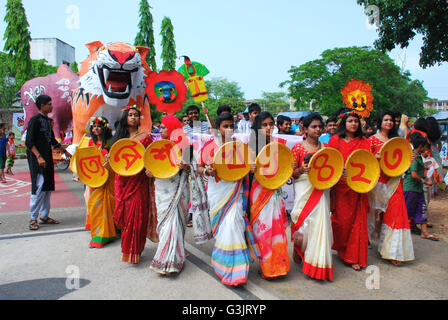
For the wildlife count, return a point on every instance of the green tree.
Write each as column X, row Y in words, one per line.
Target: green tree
column 401, row 20
column 74, row 67
column 222, row 88
column 145, row 36
column 274, row 102
column 221, row 92
column 7, row 85
column 40, row 68
column 322, row 79
column 169, row 55
column 18, row 39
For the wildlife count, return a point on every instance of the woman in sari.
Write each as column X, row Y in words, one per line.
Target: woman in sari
column 267, row 209
column 134, row 207
column 387, row 199
column 172, row 197
column 349, row 208
column 101, row 203
column 311, row 224
column 230, row 256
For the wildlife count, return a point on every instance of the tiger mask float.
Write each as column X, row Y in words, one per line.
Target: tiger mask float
column 111, row 78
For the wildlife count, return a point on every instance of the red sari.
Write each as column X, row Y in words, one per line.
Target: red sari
column 349, row 217
column 395, row 238
column 135, row 211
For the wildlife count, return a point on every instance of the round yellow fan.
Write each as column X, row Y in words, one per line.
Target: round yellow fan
column 232, row 161
column 326, row 168
column 161, row 159
column 274, row 165
column 395, row 157
column 363, row 171
column 89, row 166
column 126, row 157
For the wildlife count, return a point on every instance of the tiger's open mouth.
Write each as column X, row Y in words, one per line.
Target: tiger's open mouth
column 117, row 84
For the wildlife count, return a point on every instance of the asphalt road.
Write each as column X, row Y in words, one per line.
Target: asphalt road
column 48, row 263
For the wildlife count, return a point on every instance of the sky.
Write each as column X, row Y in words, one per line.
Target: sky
column 251, row 42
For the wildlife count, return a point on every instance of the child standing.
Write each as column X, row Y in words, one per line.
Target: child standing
column 11, row 153
column 413, row 187
column 3, row 141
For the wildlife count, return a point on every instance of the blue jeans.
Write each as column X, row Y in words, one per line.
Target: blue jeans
column 40, row 202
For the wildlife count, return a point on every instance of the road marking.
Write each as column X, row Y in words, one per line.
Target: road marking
column 254, row 289
column 248, row 291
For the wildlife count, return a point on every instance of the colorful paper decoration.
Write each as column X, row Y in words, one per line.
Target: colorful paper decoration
column 194, row 73
column 126, row 157
column 363, row 171
column 357, row 95
column 395, row 157
column 89, row 166
column 273, row 170
column 232, row 161
column 161, row 159
column 166, row 90
column 326, row 168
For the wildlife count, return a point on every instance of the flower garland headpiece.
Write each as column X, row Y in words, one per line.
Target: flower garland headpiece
column 342, row 115
column 100, row 120
column 135, row 107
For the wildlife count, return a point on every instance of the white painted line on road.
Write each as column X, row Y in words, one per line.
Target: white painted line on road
column 249, row 286
column 40, row 233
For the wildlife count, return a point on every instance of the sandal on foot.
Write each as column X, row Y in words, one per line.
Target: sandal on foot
column 48, row 221
column 430, row 237
column 34, row 225
column 396, row 263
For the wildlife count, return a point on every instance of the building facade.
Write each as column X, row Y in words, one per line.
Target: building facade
column 438, row 105
column 55, row 51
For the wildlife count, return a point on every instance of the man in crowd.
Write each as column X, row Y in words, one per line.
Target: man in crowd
column 39, row 142
column 254, row 110
column 194, row 125
column 244, row 124
column 397, row 120
column 284, row 124
column 331, row 130
column 223, row 109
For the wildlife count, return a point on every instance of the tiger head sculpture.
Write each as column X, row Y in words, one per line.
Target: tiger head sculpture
column 112, row 77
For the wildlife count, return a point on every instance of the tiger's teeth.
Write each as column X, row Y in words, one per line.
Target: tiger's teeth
column 127, row 89
column 106, row 74
column 110, row 88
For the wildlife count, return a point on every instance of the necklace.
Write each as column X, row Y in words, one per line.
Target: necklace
column 313, row 147
column 135, row 134
column 382, row 137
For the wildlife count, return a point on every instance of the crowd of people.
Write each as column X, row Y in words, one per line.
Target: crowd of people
column 244, row 218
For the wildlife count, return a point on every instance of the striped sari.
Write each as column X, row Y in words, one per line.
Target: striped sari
column 230, row 256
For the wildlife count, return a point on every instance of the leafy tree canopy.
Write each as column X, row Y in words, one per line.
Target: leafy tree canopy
column 401, row 20
column 9, row 87
column 145, row 36
column 169, row 55
column 17, row 40
column 322, row 80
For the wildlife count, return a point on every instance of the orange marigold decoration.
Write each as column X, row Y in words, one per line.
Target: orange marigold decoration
column 357, row 95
